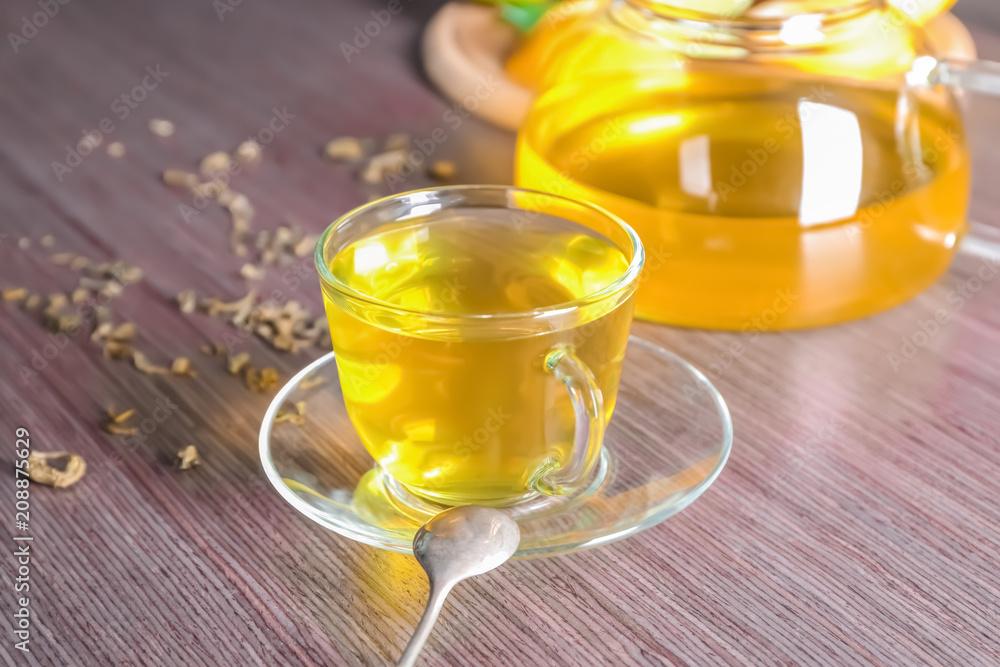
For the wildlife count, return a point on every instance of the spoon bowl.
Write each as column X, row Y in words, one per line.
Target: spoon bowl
column 458, row 543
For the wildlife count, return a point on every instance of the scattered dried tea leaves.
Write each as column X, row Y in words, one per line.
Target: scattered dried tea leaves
column 120, row 417
column 24, row 243
column 116, row 149
column 294, row 414
column 161, row 127
column 390, row 162
column 311, row 380
column 182, row 366
column 101, row 332
column 123, row 332
column 48, row 241
column 32, row 302
column 260, row 380
column 248, row 152
column 180, row 178
column 187, row 458
column 115, row 349
column 41, row 472
column 213, row 163
column 252, row 271
column 79, row 295
column 215, row 306
column 442, row 170
column 15, row 293
column 115, row 423
column 187, row 301
column 238, row 362
column 62, row 258
column 146, row 366
column 305, row 245
column 344, row 149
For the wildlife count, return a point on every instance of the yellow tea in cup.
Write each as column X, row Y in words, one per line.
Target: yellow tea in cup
column 457, row 316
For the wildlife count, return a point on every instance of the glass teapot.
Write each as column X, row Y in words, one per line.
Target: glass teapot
column 783, row 170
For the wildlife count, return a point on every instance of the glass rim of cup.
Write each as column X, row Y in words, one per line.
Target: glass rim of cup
column 629, row 277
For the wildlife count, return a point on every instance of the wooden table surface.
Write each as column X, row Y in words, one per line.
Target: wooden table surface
column 857, row 522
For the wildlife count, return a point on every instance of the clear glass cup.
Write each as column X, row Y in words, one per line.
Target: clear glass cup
column 477, row 407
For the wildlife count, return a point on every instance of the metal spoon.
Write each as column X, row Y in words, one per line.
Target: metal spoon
column 458, row 543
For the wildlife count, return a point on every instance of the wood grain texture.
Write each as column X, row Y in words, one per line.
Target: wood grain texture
column 857, row 521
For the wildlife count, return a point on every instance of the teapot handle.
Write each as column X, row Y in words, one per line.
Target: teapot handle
column 981, row 76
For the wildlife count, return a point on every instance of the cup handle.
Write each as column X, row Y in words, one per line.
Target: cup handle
column 588, row 406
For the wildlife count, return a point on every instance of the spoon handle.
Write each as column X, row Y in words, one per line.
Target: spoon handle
column 434, row 604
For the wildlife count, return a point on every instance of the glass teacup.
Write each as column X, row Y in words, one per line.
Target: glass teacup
column 479, row 333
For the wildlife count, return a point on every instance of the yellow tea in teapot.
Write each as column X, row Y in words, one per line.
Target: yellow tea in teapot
column 762, row 203
column 449, row 394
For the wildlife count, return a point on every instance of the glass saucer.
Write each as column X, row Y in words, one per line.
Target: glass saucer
column 668, row 440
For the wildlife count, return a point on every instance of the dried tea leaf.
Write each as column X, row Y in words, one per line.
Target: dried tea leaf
column 214, row 163
column 116, row 149
column 344, row 149
column 311, row 380
column 79, row 295
column 120, row 417
column 390, row 162
column 239, row 249
column 58, row 323
column 295, row 414
column 248, row 152
column 102, row 331
column 115, row 424
column 239, row 206
column 238, row 362
column 182, row 366
column 32, row 302
column 283, row 235
column 261, row 380
column 180, row 178
column 41, row 472
column 48, row 241
column 24, row 243
column 129, row 275
column 187, row 301
column 62, row 258
column 215, row 306
column 400, row 141
column 305, row 246
column 161, row 127
column 123, row 332
column 111, row 289
column 252, row 272
column 144, row 365
column 56, row 302
column 442, row 170
column 14, row 293
column 187, row 458
column 114, row 349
